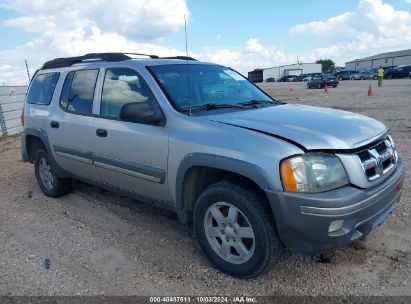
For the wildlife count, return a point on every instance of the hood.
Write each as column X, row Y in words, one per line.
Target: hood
column 314, row 128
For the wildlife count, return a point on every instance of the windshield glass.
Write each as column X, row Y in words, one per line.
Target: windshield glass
column 195, row 85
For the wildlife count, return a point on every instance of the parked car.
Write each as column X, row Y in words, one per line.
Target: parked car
column 364, row 74
column 248, row 172
column 270, row 79
column 310, row 76
column 344, row 75
column 374, row 73
column 287, row 78
column 304, row 77
column 300, row 77
column 320, row 81
column 399, row 72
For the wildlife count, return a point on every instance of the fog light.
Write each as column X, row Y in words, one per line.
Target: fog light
column 335, row 225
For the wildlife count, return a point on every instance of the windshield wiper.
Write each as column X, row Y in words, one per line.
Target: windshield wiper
column 213, row 106
column 254, row 102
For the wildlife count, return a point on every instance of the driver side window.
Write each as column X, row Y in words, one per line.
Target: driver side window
column 123, row 86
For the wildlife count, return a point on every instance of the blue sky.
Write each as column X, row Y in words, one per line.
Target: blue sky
column 239, row 33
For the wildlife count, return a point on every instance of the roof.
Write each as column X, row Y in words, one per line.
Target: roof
column 105, row 57
column 384, row 55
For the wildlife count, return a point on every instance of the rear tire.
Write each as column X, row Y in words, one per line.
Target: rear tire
column 235, row 230
column 49, row 182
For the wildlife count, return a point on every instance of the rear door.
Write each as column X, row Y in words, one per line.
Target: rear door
column 70, row 125
column 128, row 155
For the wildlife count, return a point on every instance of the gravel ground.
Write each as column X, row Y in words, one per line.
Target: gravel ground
column 94, row 242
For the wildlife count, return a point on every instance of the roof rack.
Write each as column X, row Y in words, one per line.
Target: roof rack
column 109, row 57
column 179, row 57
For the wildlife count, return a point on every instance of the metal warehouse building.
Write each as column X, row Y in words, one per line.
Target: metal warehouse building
column 261, row 75
column 384, row 60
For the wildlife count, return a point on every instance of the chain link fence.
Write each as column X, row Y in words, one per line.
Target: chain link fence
column 11, row 104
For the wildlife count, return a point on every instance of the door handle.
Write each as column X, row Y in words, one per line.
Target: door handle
column 101, row 133
column 54, row 124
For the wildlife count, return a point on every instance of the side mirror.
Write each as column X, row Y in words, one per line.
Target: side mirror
column 140, row 112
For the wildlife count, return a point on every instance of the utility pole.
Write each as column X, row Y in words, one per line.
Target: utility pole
column 27, row 69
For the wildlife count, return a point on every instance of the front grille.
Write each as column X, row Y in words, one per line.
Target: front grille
column 378, row 160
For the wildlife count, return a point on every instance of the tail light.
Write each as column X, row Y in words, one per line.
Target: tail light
column 22, row 117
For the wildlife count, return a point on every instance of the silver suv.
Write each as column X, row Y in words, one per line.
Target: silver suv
column 250, row 173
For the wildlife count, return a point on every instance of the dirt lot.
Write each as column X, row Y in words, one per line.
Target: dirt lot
column 99, row 243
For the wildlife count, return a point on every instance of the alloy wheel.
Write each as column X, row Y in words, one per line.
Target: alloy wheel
column 229, row 232
column 46, row 174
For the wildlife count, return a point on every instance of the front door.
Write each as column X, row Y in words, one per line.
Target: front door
column 127, row 155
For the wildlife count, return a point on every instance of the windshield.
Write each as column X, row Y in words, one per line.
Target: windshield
column 196, row 85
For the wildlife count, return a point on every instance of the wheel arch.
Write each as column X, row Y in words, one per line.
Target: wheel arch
column 198, row 170
column 34, row 138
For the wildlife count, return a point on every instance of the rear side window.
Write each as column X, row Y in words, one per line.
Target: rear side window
column 42, row 89
column 78, row 91
column 122, row 86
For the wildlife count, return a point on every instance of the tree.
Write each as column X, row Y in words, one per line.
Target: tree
column 328, row 66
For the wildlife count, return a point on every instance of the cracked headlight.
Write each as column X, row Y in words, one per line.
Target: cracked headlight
column 312, row 173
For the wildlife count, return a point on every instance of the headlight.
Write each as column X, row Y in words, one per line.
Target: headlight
column 312, row 173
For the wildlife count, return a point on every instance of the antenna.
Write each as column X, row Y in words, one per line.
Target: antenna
column 27, row 69
column 188, row 69
column 185, row 30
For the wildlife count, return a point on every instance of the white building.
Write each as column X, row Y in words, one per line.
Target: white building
column 291, row 69
column 384, row 60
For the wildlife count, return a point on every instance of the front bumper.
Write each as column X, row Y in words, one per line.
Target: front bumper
column 303, row 219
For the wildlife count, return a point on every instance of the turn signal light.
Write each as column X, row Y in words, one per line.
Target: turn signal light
column 287, row 175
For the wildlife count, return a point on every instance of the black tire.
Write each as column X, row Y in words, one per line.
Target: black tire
column 361, row 78
column 58, row 186
column 308, row 86
column 318, row 85
column 267, row 246
column 389, row 77
column 340, row 78
column 335, row 85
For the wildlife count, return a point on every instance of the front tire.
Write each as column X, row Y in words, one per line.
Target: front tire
column 49, row 182
column 235, row 230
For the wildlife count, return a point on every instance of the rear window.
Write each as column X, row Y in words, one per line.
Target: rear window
column 42, row 88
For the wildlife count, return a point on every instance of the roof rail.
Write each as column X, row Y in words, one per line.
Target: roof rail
column 179, row 57
column 109, row 57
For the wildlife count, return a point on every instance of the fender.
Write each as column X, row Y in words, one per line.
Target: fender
column 42, row 135
column 243, row 168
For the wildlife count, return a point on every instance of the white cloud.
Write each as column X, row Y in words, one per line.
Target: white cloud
column 125, row 17
column 408, row 1
column 372, row 28
column 68, row 28
column 12, row 75
column 253, row 46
